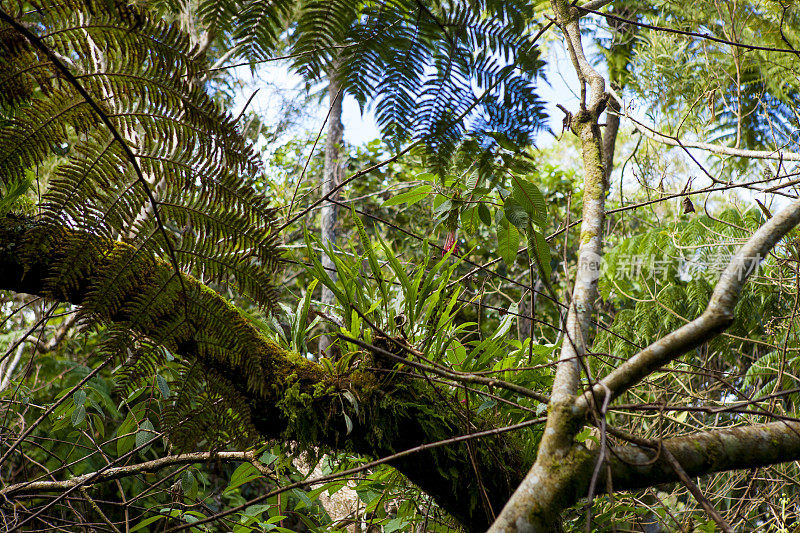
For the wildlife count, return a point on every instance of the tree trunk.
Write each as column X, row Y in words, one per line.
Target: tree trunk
column 332, row 177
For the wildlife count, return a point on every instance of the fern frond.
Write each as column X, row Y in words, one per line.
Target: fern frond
column 151, row 158
column 432, row 72
column 153, row 171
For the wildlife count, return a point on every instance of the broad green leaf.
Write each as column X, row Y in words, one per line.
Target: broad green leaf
column 469, row 220
column 472, row 180
column 163, row 386
column 539, row 250
column 443, row 208
column 515, row 213
column 79, row 398
column 78, row 415
column 146, row 522
column 244, row 473
column 507, row 242
column 126, row 433
column 409, row 197
column 530, row 198
column 256, row 510
column 189, row 484
column 395, row 524
column 145, row 434
column 484, row 214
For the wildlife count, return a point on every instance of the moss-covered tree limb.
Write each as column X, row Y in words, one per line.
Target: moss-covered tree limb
column 738, row 448
column 706, row 452
column 278, row 393
column 634, row 467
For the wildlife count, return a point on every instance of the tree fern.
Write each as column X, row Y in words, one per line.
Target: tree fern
column 423, row 66
column 715, row 79
column 152, row 169
column 151, row 158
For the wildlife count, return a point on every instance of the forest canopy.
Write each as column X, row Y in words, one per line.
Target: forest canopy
column 558, row 292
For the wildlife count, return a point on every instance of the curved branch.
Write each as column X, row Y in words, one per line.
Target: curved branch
column 716, row 318
column 669, row 140
column 110, row 474
column 708, row 452
column 285, row 395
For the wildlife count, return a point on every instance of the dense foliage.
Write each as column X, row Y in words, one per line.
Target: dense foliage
column 160, row 261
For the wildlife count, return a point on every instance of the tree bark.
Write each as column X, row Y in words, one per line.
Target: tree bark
column 291, row 398
column 560, row 463
column 285, row 396
column 332, row 177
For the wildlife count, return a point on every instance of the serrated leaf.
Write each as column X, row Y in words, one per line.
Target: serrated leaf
column 469, row 220
column 409, row 197
column 79, row 398
column 163, row 386
column 507, row 242
column 78, row 415
column 472, row 180
column 515, row 213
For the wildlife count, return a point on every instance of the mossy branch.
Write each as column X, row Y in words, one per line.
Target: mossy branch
column 278, row 393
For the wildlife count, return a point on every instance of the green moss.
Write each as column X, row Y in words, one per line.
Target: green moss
column 587, row 235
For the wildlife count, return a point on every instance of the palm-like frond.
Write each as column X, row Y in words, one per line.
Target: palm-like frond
column 151, row 158
column 152, row 171
column 423, row 66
